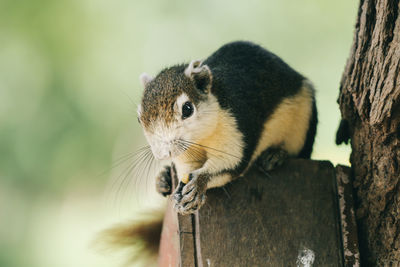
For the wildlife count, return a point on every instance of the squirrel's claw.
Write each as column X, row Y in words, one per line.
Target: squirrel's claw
column 164, row 182
column 190, row 197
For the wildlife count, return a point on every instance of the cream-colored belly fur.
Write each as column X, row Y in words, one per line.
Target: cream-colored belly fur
column 221, row 150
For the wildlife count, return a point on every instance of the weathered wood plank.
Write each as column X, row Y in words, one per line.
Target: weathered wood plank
column 290, row 218
column 170, row 250
column 351, row 252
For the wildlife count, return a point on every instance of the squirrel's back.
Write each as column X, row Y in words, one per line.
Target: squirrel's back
column 252, row 83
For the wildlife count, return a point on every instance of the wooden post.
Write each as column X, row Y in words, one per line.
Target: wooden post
column 290, row 217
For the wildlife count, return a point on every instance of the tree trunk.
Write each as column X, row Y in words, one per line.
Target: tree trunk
column 370, row 104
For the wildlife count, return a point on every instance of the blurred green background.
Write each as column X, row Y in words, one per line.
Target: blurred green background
column 68, row 87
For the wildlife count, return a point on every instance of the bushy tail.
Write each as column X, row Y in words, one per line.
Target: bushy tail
column 140, row 239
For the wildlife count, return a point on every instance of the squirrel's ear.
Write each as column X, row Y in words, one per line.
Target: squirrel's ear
column 145, row 79
column 200, row 74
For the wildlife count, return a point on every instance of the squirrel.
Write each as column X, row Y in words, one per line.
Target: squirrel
column 215, row 118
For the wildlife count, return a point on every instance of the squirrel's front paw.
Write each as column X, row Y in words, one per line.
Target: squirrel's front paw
column 190, row 197
column 164, row 181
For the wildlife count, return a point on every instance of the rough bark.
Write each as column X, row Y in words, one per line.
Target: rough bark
column 370, row 102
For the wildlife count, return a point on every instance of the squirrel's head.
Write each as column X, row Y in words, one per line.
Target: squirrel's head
column 177, row 108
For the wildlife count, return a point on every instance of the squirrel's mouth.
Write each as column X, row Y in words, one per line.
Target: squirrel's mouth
column 168, row 151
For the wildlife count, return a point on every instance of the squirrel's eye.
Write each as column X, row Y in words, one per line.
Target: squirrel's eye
column 187, row 110
column 138, row 119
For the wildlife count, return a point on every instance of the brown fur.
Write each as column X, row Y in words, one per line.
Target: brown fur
column 141, row 238
column 160, row 94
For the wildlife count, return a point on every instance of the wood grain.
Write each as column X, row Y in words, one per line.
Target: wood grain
column 267, row 220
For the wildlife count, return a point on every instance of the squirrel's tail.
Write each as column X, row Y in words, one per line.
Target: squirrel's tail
column 139, row 238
